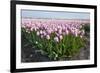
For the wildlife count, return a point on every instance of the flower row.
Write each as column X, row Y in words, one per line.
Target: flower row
column 45, row 29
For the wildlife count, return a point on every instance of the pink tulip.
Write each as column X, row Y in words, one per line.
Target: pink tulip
column 48, row 37
column 56, row 39
column 60, row 31
column 61, row 37
column 41, row 32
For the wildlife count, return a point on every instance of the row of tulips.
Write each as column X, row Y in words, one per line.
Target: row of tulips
column 56, row 40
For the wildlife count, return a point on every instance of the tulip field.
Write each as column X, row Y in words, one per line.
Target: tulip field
column 56, row 39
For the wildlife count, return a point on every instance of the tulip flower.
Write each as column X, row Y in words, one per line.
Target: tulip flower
column 56, row 39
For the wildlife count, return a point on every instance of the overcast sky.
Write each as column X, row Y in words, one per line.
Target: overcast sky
column 54, row 14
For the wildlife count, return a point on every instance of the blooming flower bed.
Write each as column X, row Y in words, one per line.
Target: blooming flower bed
column 57, row 39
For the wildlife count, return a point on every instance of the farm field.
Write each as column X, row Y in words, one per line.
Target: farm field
column 54, row 39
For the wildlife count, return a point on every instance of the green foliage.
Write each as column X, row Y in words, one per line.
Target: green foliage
column 86, row 27
column 67, row 47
